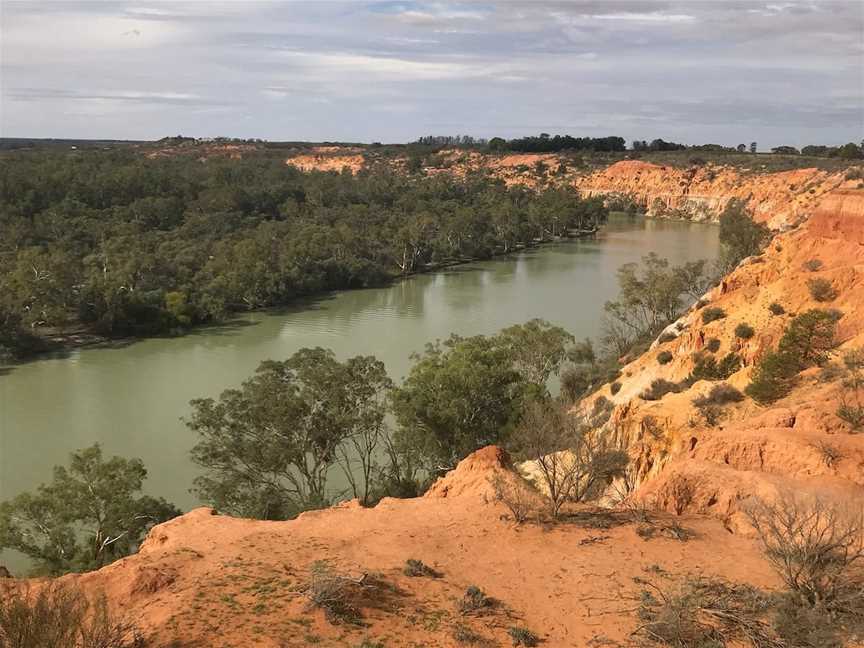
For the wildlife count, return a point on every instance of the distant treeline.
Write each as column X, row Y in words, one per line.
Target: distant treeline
column 544, row 143
column 126, row 245
column 850, row 151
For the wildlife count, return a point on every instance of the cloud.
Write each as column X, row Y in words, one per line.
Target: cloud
column 697, row 71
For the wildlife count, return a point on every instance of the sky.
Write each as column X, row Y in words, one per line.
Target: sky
column 723, row 72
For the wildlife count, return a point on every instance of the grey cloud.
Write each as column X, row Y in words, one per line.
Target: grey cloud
column 694, row 70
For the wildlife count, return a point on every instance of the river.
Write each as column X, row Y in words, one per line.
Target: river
column 131, row 398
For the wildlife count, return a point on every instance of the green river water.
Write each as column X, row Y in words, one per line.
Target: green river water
column 131, row 398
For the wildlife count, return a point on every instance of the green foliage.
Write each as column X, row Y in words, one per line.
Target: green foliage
column 813, row 265
column 91, row 514
column 615, row 387
column 744, row 331
column 522, row 636
column 417, row 568
column 658, row 389
column 459, row 396
column 707, row 367
column 740, row 236
column 267, row 447
column 776, row 309
column 712, row 345
column 721, row 394
column 712, row 314
column 537, row 349
column 474, row 600
column 60, row 616
column 650, row 297
column 806, row 342
column 821, row 290
column 664, row 357
column 132, row 246
column 851, row 408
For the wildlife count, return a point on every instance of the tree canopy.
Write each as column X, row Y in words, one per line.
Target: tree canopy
column 267, row 447
column 90, row 514
column 123, row 245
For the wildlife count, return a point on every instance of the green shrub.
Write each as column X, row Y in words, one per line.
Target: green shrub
column 417, row 568
column 806, row 342
column 712, row 314
column 776, row 309
column 664, row 357
column 813, row 265
column 810, row 337
column 721, row 394
column 666, row 336
column 522, row 636
column 821, row 290
column 852, row 414
column 712, row 345
column 744, row 331
column 615, row 387
column 710, row 406
column 464, row 634
column 706, row 367
column 474, row 600
column 773, row 377
column 658, row 389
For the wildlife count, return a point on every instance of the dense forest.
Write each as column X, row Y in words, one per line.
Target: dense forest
column 125, row 245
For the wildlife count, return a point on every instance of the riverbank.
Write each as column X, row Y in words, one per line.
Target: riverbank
column 131, row 397
column 56, row 342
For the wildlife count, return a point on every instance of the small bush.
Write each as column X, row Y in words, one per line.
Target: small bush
column 664, row 357
column 852, row 414
column 658, row 389
column 60, row 616
column 704, row 613
column 708, row 368
column 813, row 265
column 522, row 636
column 712, row 314
column 744, row 331
column 821, row 290
column 666, row 336
column 712, row 345
column 333, row 593
column 474, row 600
column 517, row 497
column 815, row 545
column 830, row 454
column 721, row 394
column 615, row 387
column 417, row 568
column 776, row 309
column 464, row 634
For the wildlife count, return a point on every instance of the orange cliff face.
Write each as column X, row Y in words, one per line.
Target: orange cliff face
column 701, row 192
column 683, row 465
column 698, row 193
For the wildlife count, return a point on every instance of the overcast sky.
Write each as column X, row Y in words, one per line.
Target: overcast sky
column 725, row 72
